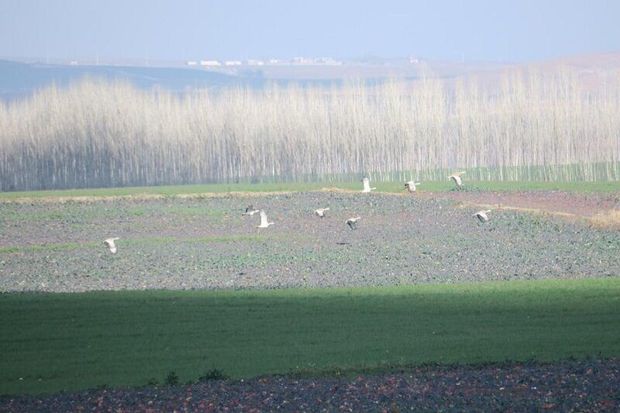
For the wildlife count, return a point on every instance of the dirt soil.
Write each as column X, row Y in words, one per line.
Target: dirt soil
column 206, row 243
column 570, row 386
column 567, row 204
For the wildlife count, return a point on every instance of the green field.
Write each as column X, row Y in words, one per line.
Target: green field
column 431, row 186
column 53, row 342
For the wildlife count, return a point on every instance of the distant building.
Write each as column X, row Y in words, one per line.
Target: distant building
column 191, row 63
column 73, row 63
column 254, row 62
column 414, row 60
column 315, row 61
column 210, row 63
column 232, row 63
column 301, row 61
column 327, row 61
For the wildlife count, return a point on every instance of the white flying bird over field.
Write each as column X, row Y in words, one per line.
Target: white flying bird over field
column 250, row 210
column 411, row 186
column 352, row 222
column 264, row 223
column 367, row 187
column 110, row 244
column 482, row 215
column 456, row 177
column 321, row 212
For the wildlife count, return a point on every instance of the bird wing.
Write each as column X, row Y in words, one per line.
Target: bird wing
column 366, row 182
column 481, row 215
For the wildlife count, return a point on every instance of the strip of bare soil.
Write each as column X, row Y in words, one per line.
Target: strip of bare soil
column 592, row 385
column 602, row 210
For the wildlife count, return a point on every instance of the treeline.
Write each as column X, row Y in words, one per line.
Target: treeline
column 98, row 134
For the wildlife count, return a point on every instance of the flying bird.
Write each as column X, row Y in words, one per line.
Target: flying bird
column 482, row 215
column 411, row 186
column 456, row 177
column 367, row 187
column 110, row 244
column 352, row 222
column 321, row 212
column 250, row 210
column 264, row 223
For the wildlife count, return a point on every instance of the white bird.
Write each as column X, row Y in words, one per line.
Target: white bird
column 352, row 222
column 110, row 244
column 367, row 187
column 321, row 212
column 456, row 177
column 482, row 215
column 411, row 186
column 263, row 220
column 250, row 210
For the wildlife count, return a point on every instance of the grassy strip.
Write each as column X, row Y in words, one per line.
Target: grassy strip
column 504, row 186
column 53, row 342
column 429, row 186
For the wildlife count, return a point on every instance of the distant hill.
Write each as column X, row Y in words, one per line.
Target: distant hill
column 21, row 79
column 594, row 72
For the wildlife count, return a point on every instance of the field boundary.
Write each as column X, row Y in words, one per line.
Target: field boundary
column 139, row 197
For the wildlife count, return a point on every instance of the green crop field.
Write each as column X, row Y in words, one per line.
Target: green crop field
column 53, row 342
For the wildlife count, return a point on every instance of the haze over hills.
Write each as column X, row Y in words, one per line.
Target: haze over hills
column 21, row 79
column 18, row 79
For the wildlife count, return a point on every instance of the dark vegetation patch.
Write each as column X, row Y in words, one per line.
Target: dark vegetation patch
column 207, row 244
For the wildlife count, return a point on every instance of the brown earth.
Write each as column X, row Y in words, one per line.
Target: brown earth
column 569, row 386
column 601, row 210
column 400, row 239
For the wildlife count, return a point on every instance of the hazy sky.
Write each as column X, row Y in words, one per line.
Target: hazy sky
column 192, row 29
